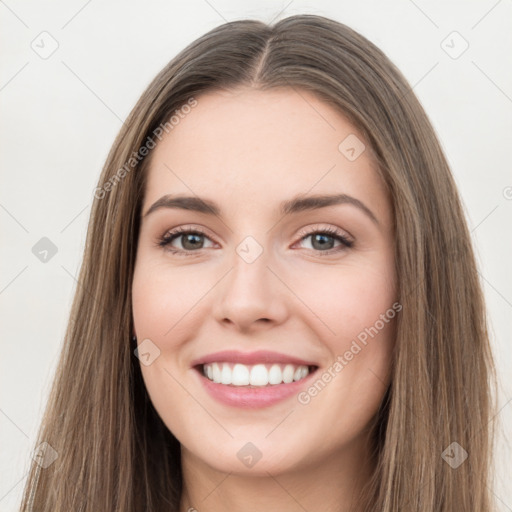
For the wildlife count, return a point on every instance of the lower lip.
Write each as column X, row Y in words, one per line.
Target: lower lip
column 256, row 397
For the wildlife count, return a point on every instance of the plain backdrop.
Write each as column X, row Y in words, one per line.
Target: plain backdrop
column 72, row 70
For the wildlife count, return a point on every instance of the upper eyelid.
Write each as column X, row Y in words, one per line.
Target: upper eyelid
column 181, row 230
column 175, row 233
column 319, row 228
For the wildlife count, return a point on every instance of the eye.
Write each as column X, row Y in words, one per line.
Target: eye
column 322, row 240
column 190, row 239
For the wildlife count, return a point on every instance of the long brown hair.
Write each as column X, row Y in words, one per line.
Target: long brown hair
column 114, row 453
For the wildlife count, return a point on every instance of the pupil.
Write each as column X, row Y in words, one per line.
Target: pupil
column 319, row 237
column 188, row 238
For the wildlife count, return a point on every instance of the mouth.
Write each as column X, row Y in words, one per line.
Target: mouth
column 252, row 380
column 260, row 375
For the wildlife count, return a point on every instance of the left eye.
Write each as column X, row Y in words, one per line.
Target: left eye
column 191, row 241
column 322, row 239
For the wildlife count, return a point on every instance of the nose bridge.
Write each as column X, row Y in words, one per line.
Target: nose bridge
column 250, row 275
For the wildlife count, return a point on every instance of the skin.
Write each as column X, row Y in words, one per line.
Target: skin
column 248, row 150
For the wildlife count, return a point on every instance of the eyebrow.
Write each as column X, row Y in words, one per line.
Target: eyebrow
column 297, row 204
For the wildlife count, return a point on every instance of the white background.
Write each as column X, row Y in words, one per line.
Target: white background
column 59, row 117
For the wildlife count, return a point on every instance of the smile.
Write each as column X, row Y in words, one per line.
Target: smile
column 257, row 375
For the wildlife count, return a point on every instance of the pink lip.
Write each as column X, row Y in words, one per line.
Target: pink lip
column 253, row 397
column 260, row 356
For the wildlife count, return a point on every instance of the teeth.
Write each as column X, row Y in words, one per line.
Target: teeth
column 240, row 375
column 254, row 375
column 298, row 374
column 216, row 373
column 288, row 373
column 275, row 374
column 258, row 376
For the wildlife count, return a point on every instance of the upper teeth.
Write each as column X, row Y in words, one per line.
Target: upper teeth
column 254, row 375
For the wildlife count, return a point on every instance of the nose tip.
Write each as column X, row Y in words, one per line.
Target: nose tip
column 251, row 294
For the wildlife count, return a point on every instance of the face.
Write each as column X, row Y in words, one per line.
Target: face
column 312, row 284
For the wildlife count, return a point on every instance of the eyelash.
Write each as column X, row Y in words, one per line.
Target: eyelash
column 166, row 240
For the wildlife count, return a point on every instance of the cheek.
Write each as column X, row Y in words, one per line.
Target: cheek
column 163, row 311
column 163, row 300
column 356, row 310
column 347, row 300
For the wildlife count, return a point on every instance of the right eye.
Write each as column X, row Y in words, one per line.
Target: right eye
column 189, row 237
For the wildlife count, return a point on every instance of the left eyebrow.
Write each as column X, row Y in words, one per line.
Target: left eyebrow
column 297, row 204
column 302, row 203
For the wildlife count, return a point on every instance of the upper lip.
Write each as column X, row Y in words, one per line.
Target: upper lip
column 250, row 358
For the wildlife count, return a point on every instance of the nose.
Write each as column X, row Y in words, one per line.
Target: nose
column 252, row 296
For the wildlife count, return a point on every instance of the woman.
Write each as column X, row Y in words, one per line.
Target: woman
column 265, row 371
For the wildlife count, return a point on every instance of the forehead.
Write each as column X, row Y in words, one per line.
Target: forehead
column 251, row 148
